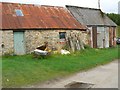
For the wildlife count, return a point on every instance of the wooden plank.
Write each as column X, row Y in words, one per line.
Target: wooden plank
column 110, row 37
column 114, row 36
column 94, row 35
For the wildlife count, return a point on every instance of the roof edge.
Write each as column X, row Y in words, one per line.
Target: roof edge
column 46, row 29
column 34, row 4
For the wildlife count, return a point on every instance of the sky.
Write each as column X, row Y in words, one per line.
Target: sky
column 107, row 6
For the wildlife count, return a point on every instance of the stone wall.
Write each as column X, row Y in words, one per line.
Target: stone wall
column 35, row 38
column 0, row 42
column 7, row 42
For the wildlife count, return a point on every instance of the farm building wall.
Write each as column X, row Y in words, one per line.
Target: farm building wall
column 35, row 38
column 112, row 36
column 0, row 42
column 105, row 36
column 7, row 42
column 90, row 36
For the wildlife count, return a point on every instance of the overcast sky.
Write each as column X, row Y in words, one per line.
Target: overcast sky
column 108, row 6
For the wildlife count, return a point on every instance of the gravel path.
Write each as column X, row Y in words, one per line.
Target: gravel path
column 104, row 76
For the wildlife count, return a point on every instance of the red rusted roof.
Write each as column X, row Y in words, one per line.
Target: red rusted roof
column 37, row 17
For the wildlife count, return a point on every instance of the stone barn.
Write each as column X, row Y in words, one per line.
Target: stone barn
column 27, row 26
column 102, row 30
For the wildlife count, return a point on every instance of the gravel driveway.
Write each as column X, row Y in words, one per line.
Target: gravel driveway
column 104, row 76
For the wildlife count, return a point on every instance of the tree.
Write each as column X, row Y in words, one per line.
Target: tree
column 114, row 17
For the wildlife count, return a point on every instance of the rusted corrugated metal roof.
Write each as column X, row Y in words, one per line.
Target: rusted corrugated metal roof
column 37, row 17
column 90, row 16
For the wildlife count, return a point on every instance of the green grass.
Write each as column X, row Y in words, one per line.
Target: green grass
column 26, row 70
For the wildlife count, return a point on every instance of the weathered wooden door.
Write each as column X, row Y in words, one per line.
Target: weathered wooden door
column 100, row 37
column 19, row 47
column 106, row 37
column 94, row 36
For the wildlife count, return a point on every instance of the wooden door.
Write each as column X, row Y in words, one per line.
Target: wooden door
column 19, row 47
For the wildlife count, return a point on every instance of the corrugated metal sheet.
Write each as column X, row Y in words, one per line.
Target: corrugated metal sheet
column 90, row 16
column 36, row 17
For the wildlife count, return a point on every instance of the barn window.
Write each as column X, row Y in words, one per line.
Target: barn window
column 19, row 12
column 62, row 35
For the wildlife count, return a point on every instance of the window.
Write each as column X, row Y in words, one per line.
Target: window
column 62, row 35
column 19, row 12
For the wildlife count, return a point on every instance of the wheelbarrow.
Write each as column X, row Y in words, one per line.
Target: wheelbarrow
column 41, row 51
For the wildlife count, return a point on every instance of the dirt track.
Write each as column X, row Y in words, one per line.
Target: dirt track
column 105, row 76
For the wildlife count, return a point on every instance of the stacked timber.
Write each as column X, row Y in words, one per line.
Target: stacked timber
column 74, row 42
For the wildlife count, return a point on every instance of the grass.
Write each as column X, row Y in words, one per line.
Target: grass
column 25, row 70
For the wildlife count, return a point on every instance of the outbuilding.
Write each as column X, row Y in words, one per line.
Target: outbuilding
column 102, row 30
column 27, row 26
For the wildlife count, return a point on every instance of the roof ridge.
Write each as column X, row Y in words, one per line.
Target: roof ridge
column 82, row 7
